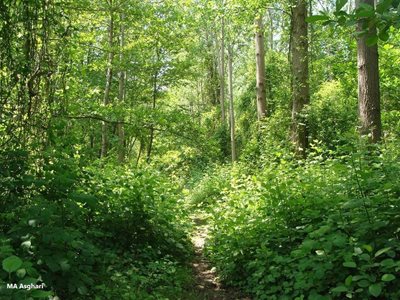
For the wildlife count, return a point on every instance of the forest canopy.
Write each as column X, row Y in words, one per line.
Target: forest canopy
column 195, row 149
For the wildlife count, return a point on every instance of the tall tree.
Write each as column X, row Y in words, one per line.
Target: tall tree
column 154, row 98
column 368, row 80
column 260, row 69
column 222, row 68
column 121, row 91
column 231, row 107
column 106, row 98
column 300, row 84
column 271, row 29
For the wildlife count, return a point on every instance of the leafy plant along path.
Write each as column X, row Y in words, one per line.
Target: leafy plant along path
column 207, row 285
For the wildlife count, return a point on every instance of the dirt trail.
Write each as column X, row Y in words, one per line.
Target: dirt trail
column 207, row 285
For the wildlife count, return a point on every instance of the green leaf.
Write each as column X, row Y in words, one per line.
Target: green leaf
column 340, row 4
column 358, row 277
column 82, row 290
column 21, row 273
column 372, row 40
column 363, row 283
column 366, row 6
column 388, row 277
column 365, row 257
column 89, row 200
column 383, row 6
column 29, row 280
column 316, row 18
column 32, row 272
column 384, row 35
column 365, row 11
column 348, row 280
column 375, row 290
column 381, row 251
column 65, row 266
column 340, row 289
column 367, row 247
column 41, row 294
column 349, row 264
column 53, row 266
column 327, row 22
column 11, row 264
column 388, row 262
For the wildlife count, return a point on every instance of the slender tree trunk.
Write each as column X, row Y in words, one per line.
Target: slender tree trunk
column 141, row 143
column 300, row 85
column 121, row 93
column 129, row 145
column 222, row 83
column 271, row 29
column 231, row 107
column 151, row 139
column 260, row 70
column 349, row 6
column 150, row 146
column 106, row 99
column 368, row 83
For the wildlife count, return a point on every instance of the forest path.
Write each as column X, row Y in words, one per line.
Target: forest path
column 207, row 286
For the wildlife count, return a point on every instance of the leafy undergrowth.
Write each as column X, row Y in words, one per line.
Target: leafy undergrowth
column 326, row 228
column 104, row 232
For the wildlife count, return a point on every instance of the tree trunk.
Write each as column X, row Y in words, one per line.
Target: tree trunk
column 271, row 29
column 222, row 84
column 141, row 143
column 300, row 85
column 260, row 70
column 106, row 99
column 151, row 139
column 368, row 84
column 231, row 108
column 121, row 93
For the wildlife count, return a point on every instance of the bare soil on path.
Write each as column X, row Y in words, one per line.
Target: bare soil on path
column 207, row 286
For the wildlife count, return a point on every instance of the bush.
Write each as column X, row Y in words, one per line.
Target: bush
column 210, row 186
column 331, row 116
column 73, row 227
column 323, row 229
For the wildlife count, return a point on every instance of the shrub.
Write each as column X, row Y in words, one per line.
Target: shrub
column 70, row 226
column 323, row 229
column 331, row 116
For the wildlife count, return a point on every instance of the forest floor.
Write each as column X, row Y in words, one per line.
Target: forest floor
column 207, row 285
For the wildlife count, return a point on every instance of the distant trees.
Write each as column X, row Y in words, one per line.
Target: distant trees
column 106, row 72
column 33, row 35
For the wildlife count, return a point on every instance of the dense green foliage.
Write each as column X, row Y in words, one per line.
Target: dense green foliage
column 87, row 232
column 322, row 229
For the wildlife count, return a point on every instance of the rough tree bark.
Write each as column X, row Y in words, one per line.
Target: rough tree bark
column 300, row 85
column 106, row 98
column 260, row 70
column 368, row 83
